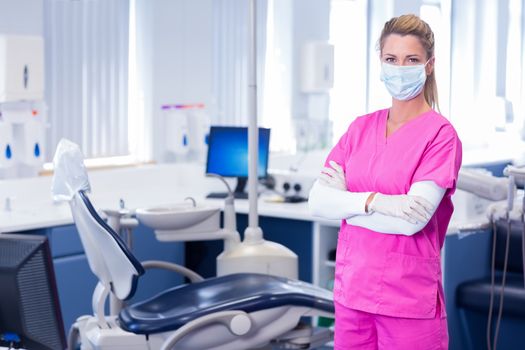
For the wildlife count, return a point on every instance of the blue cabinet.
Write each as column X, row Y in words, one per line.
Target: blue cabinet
column 467, row 258
column 75, row 284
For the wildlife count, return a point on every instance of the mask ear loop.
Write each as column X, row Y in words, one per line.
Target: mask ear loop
column 425, row 65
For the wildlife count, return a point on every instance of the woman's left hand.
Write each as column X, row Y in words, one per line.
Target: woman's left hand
column 333, row 177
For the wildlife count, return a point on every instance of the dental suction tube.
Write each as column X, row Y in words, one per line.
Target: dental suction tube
column 483, row 185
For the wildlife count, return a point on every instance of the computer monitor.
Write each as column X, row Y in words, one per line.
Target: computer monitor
column 228, row 156
column 30, row 315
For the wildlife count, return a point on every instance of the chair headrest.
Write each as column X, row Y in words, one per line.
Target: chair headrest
column 69, row 175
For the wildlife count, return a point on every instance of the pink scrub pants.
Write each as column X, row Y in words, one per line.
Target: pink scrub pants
column 364, row 331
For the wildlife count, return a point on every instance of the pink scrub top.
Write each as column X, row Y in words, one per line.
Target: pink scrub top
column 393, row 274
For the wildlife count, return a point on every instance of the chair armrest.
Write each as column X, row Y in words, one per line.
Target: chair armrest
column 237, row 321
column 157, row 264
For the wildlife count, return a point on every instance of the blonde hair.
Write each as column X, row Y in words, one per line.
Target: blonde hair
column 413, row 25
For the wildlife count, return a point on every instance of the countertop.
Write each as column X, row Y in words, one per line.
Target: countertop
column 32, row 206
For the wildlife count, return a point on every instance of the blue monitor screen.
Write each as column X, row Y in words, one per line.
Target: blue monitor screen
column 228, row 151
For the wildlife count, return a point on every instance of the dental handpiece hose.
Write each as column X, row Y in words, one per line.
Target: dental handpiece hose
column 510, row 198
column 510, row 207
column 519, row 173
column 523, row 236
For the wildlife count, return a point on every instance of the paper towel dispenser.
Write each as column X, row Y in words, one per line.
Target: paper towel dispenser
column 21, row 68
column 317, row 67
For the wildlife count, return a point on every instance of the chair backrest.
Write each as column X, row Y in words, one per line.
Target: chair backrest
column 108, row 257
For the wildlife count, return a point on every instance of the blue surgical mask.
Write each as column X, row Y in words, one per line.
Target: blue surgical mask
column 403, row 82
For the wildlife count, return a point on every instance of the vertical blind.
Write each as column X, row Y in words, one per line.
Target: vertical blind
column 86, row 44
column 488, row 71
column 230, row 62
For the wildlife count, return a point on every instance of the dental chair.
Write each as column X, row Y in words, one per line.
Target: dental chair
column 237, row 311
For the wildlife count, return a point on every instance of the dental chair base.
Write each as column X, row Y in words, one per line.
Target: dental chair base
column 93, row 337
column 231, row 329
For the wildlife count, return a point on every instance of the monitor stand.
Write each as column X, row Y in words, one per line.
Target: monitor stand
column 238, row 193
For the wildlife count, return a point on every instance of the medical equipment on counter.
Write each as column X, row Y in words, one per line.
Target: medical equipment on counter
column 482, row 184
column 236, row 311
column 476, row 190
column 30, row 314
column 228, row 156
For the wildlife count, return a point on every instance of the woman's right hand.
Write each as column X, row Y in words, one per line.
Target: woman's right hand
column 408, row 207
column 333, row 177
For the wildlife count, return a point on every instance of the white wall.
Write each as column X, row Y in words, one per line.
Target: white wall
column 175, row 41
column 177, row 49
column 21, row 17
column 310, row 23
column 402, row 7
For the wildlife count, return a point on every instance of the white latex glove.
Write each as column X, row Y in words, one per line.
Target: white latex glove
column 333, row 177
column 411, row 208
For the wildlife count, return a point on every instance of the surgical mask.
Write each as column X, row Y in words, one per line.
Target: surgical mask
column 403, row 82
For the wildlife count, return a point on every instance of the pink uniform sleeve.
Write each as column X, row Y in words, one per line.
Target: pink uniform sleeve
column 339, row 151
column 441, row 160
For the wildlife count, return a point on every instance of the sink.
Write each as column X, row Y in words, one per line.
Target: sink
column 182, row 216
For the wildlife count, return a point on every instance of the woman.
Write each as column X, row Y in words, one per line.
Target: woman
column 390, row 179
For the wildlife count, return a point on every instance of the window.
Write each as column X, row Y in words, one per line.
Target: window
column 487, row 72
column 276, row 102
column 437, row 15
column 87, row 75
column 348, row 34
column 514, row 72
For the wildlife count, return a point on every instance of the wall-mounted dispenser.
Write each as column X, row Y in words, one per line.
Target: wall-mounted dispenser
column 317, row 67
column 186, row 132
column 22, row 106
column 176, row 131
column 29, row 142
column 6, row 145
column 21, row 68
